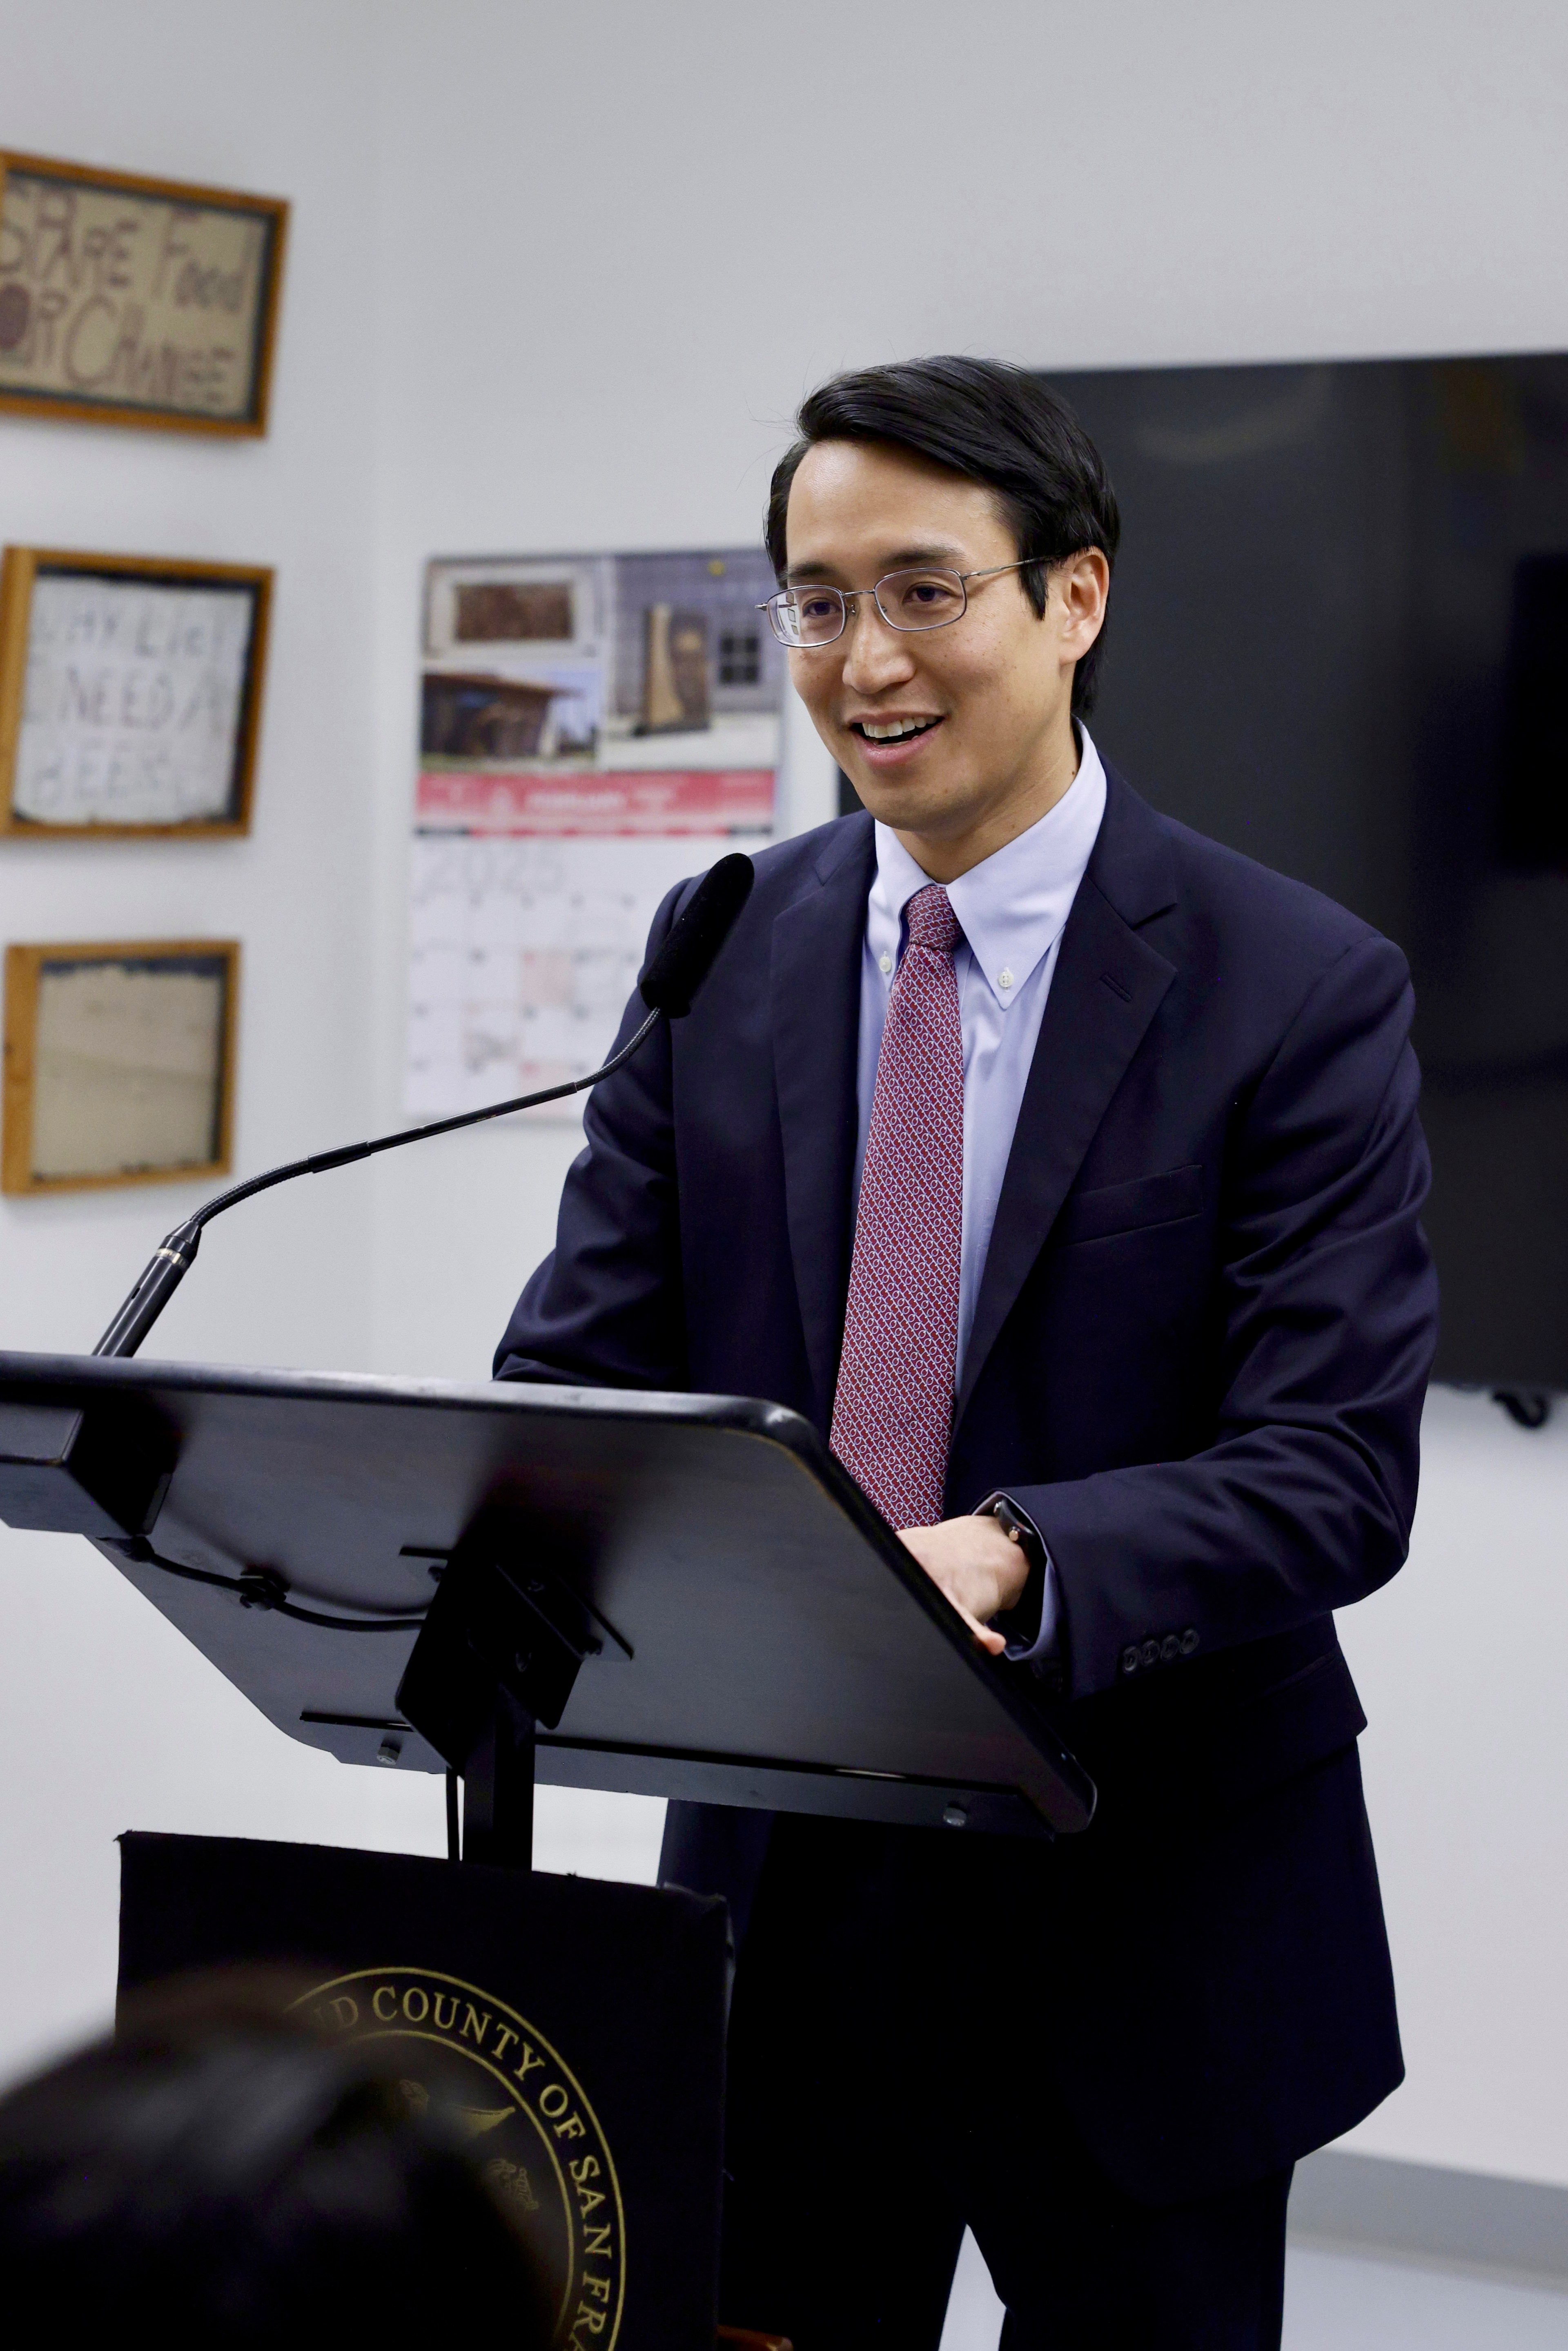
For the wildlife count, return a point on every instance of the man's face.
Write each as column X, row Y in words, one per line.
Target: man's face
column 940, row 730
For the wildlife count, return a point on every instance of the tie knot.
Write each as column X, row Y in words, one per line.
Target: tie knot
column 931, row 920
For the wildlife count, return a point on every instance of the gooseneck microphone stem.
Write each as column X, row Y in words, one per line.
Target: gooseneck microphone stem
column 673, row 979
column 172, row 1259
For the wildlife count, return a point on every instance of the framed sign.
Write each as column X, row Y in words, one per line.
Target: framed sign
column 133, row 301
column 131, row 693
column 120, row 1063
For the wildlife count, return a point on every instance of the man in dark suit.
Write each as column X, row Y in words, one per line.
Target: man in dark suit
column 1063, row 1168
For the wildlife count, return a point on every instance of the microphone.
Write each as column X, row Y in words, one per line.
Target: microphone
column 698, row 932
column 667, row 987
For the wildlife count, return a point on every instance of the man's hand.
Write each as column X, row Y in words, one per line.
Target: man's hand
column 981, row 1571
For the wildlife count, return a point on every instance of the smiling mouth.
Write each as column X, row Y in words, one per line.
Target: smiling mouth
column 891, row 730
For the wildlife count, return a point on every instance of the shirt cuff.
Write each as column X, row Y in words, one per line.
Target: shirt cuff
column 1033, row 1626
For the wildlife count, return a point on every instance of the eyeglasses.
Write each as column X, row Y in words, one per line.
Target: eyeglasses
column 809, row 617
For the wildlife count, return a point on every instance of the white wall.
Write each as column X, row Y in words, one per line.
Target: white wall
column 108, row 1720
column 253, row 99
column 1459, row 1662
column 591, row 319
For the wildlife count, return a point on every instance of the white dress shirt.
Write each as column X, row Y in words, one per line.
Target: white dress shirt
column 1012, row 908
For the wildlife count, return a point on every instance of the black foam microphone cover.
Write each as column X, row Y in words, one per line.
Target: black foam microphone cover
column 698, row 932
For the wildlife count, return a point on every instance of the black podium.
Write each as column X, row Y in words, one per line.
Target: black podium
column 672, row 1595
column 711, row 1609
column 572, row 2032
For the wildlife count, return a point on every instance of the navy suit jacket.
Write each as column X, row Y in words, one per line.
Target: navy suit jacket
column 1198, row 1360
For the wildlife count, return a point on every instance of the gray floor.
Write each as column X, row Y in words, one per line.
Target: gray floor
column 1341, row 2302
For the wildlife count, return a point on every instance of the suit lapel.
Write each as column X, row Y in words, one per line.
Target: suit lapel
column 1107, row 986
column 814, row 1015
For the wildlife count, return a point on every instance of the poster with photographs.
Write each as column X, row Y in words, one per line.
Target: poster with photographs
column 592, row 729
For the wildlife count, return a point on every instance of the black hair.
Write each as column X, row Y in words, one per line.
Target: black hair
column 229, row 2179
column 993, row 424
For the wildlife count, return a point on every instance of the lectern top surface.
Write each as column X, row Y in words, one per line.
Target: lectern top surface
column 759, row 1616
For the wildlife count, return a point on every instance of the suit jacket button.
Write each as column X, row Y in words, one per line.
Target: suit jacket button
column 1149, row 1654
column 1169, row 1647
column 1188, row 1642
column 1129, row 1660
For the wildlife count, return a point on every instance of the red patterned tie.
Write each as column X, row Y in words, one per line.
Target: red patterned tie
column 892, row 1412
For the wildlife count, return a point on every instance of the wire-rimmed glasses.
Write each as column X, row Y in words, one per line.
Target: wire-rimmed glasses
column 923, row 596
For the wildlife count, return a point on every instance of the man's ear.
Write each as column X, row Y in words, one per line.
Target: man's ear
column 1083, row 582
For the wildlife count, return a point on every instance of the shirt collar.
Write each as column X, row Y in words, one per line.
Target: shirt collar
column 1012, row 907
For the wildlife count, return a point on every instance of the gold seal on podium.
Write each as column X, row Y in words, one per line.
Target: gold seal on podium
column 495, row 2079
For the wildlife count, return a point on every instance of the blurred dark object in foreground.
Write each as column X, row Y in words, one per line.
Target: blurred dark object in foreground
column 219, row 2175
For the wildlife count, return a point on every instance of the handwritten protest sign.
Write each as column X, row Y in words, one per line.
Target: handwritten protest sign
column 129, row 693
column 135, row 301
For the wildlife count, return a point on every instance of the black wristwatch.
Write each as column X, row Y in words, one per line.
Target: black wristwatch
column 1021, row 1623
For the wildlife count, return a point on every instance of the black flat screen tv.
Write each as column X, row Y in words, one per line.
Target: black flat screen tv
column 1338, row 641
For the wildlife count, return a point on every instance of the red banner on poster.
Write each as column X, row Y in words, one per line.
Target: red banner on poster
column 655, row 800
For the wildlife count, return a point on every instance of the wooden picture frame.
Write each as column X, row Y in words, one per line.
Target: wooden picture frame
column 110, row 1079
column 127, row 300
column 130, row 694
